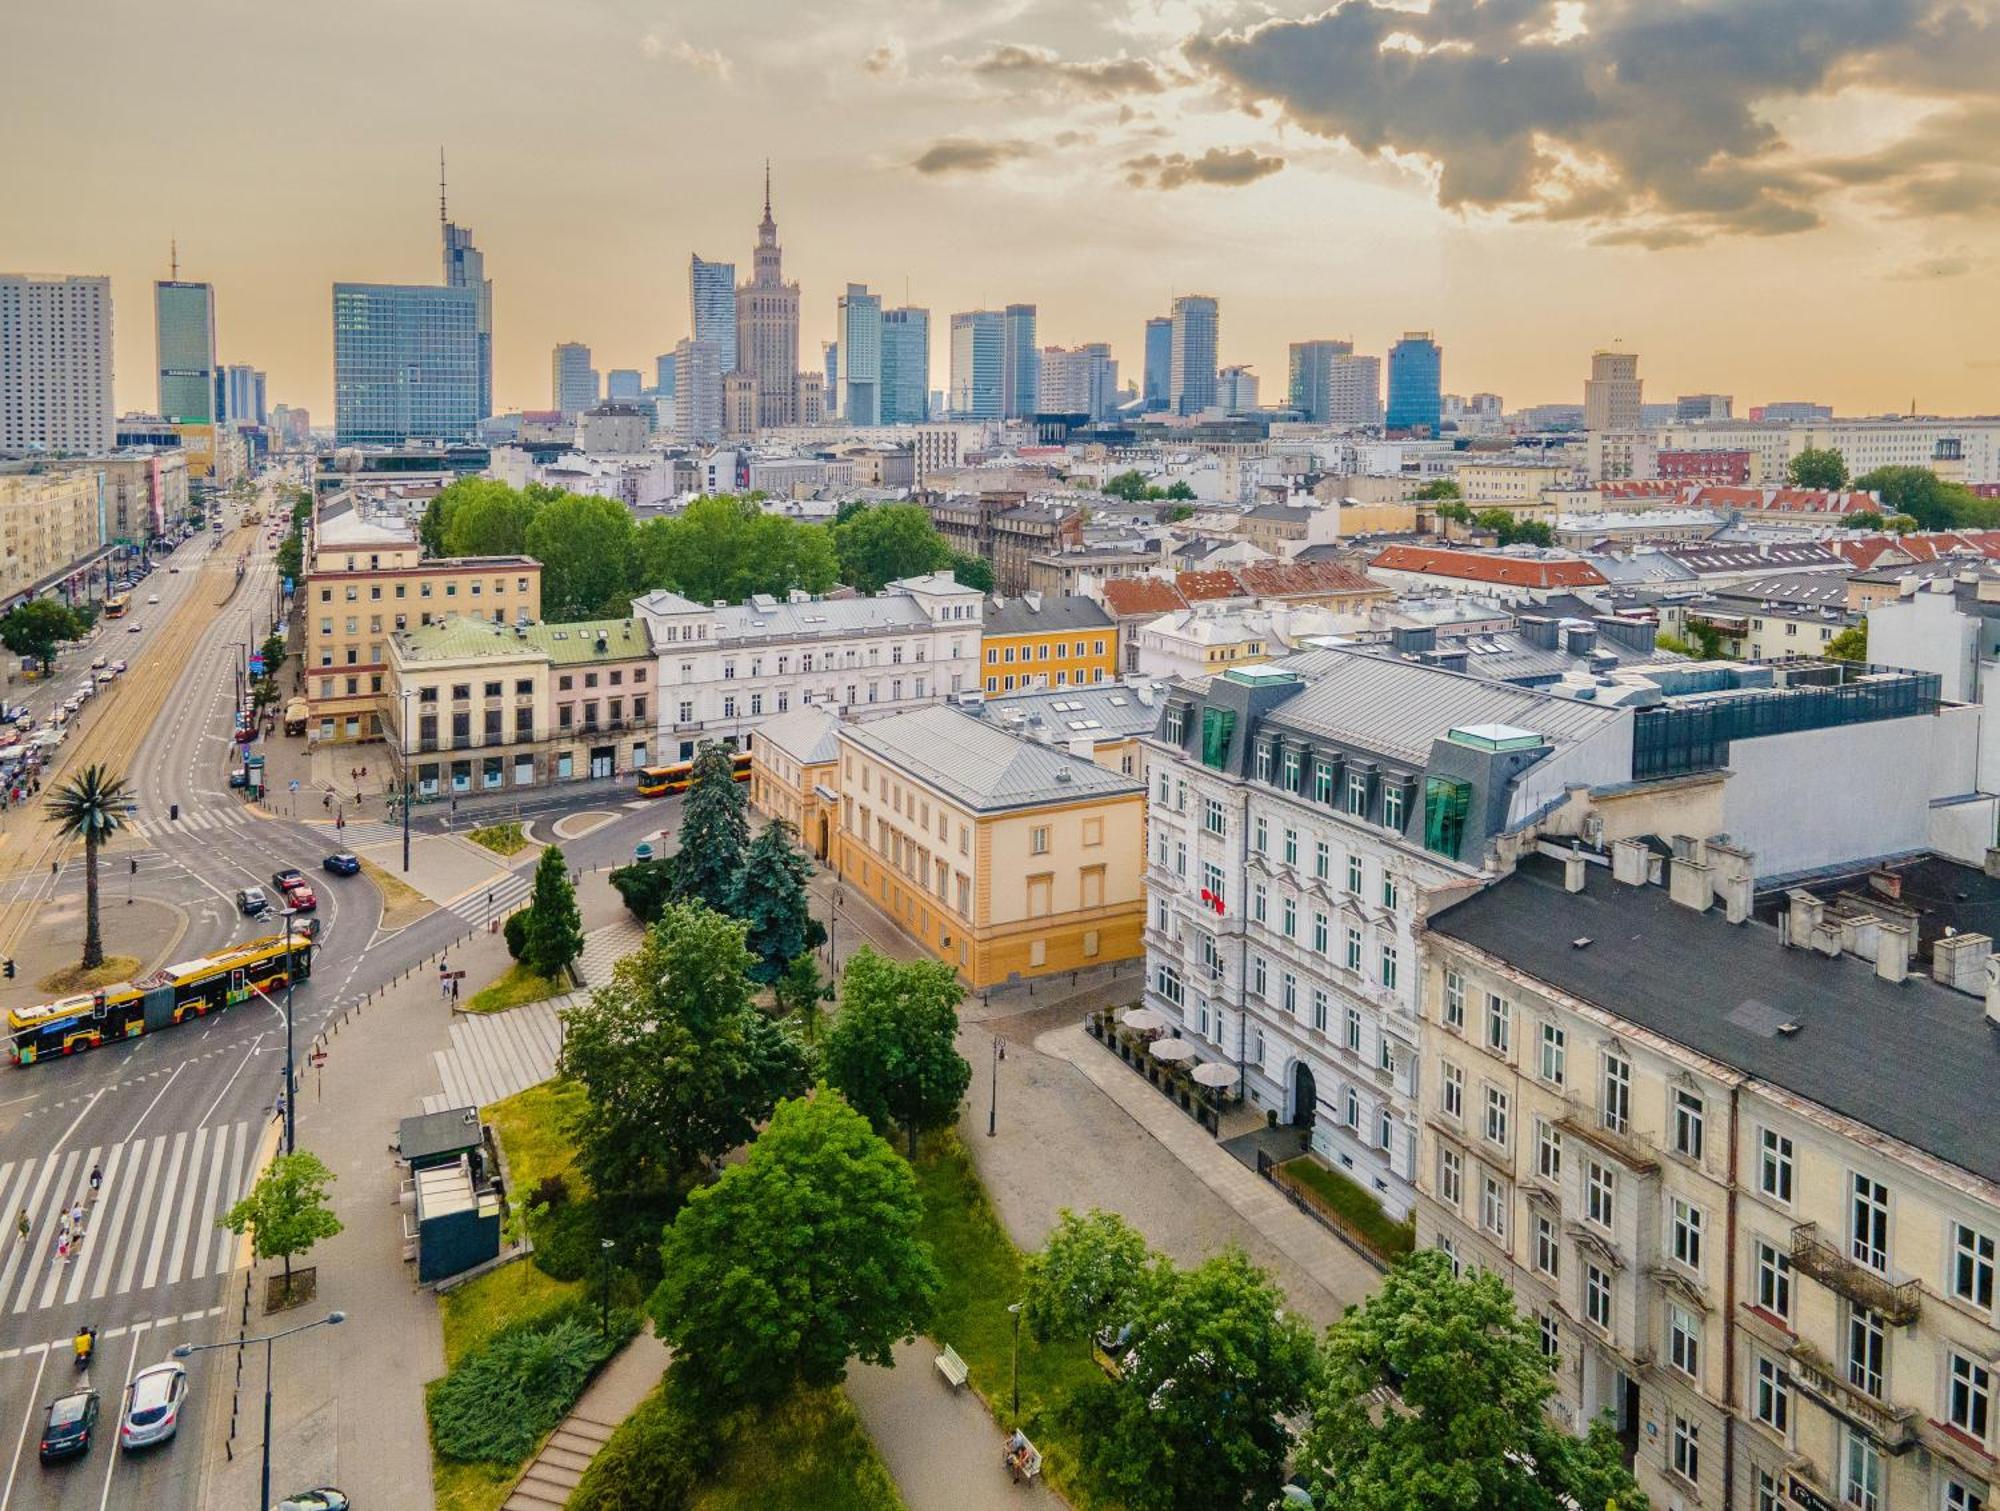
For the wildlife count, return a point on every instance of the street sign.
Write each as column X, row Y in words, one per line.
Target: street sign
column 295, row 784
column 256, row 666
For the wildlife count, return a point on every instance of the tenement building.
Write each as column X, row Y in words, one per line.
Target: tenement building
column 1745, row 1175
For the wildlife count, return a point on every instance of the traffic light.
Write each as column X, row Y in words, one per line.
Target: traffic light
column 133, row 861
column 10, row 968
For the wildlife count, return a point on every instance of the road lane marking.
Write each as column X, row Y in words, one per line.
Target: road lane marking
column 132, row 1248
column 104, row 1224
column 188, row 1199
column 211, row 1194
column 118, row 1412
column 34, row 1407
column 157, row 1249
column 134, row 1130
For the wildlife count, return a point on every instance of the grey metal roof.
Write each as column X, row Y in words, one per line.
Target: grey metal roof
column 819, row 618
column 810, row 736
column 1816, row 590
column 1642, row 566
column 1401, row 710
column 1916, row 1061
column 1101, row 710
column 1034, row 613
column 980, row 766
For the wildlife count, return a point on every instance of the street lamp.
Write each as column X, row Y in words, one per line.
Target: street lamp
column 184, row 1350
column 1016, row 1310
column 403, row 744
column 291, row 974
column 604, row 1247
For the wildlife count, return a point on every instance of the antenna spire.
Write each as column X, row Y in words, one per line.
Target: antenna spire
column 174, row 257
column 442, row 217
column 767, row 188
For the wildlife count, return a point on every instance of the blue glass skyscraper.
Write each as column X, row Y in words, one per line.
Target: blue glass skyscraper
column 1416, row 383
column 978, row 343
column 1159, row 367
column 405, row 362
column 1020, row 363
column 906, row 366
column 712, row 303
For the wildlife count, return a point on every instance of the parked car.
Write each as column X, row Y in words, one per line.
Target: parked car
column 67, row 1428
column 153, row 1406
column 252, row 901
column 238, row 777
column 341, row 864
column 106, row 677
column 325, row 1498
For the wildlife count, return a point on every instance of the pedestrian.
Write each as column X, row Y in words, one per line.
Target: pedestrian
column 76, row 1218
column 326, row 801
column 23, row 1224
column 454, row 988
column 55, row 867
column 62, row 1252
column 96, row 1181
column 62, row 1224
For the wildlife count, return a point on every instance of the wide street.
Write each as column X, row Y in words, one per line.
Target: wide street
column 179, row 1120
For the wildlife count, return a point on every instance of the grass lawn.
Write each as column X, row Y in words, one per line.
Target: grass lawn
column 401, row 903
column 516, row 987
column 529, row 1125
column 74, row 978
column 501, row 839
column 982, row 1274
column 812, row 1451
column 1363, row 1213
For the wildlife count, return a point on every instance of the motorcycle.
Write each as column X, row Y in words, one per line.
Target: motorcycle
column 86, row 1345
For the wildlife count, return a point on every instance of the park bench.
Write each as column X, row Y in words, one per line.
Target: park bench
column 952, row 1368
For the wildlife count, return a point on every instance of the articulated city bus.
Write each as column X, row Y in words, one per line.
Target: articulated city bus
column 116, row 605
column 127, row 1009
column 663, row 781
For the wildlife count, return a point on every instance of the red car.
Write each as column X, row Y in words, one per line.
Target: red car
column 299, row 894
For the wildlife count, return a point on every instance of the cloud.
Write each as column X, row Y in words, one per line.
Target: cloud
column 1931, row 269
column 680, row 50
column 965, row 154
column 1229, row 167
column 1042, row 69
column 1948, row 164
column 889, row 60
column 1652, row 121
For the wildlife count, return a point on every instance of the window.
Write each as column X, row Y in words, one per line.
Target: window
column 1451, row 1092
column 1354, row 874
column 1291, row 847
column 1259, row 902
column 1774, row 1165
column 1394, row 805
column 1600, row 1193
column 1493, row 1208
column 1289, row 924
column 1211, row 881
column 1686, row 1449
column 1263, row 768
column 1496, row 1116
column 1685, row 1235
column 1354, row 949
column 1617, row 1109
column 1259, row 975
column 1499, row 1023
column 1684, row 1341
column 1548, row 1248
column 1322, row 859
column 1969, row 1397
column 1555, row 1054
column 1321, row 930
column 1972, row 1266
column 1772, row 1272
column 1551, row 1336
column 1357, row 792
column 1319, row 1008
column 1353, row 1030
column 1687, row 1123
column 1322, row 781
column 1390, row 892
column 1861, row 1473
column 1261, row 835
column 1962, row 1497
column 1867, row 1341
column 1450, row 1178
column 1351, row 1109
column 1454, row 1001
column 1212, row 818
column 1765, row 1494
column 1038, row 839
column 1597, row 1296
column 1868, row 1235
column 1389, row 966
column 1548, row 1152
column 1771, row 1394
column 1291, row 782
column 1291, row 1001
column 1175, row 726
column 1167, row 982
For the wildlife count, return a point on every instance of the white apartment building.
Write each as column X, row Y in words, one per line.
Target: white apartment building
column 725, row 668
column 55, row 364
column 1961, row 450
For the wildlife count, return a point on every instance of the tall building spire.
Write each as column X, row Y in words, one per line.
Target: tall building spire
column 442, row 217
column 767, row 188
column 174, row 257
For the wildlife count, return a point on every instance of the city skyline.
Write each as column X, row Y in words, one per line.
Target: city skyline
column 950, row 176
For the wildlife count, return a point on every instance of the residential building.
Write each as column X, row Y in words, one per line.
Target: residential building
column 143, row 491
column 184, row 351
column 1080, row 380
column 1133, row 603
column 1693, row 408
column 1157, row 389
column 1005, row 858
column 767, row 327
column 465, row 268
column 726, row 668
column 50, row 523
column 794, row 775
column 405, row 363
column 55, row 364
column 712, row 307
column 906, row 366
column 1611, row 394
column 1306, row 386
column 698, row 393
column 613, row 429
column 1020, row 364
column 1519, row 574
column 1203, row 642
column 1192, row 369
column 859, row 322
column 572, row 380
column 978, row 347
column 1236, row 390
column 1032, row 642
column 1511, row 482
column 1416, row 384
column 1059, row 572
column 1106, row 720
column 1727, row 468
column 1318, row 584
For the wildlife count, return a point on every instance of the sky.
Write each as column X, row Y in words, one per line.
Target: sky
column 1777, row 199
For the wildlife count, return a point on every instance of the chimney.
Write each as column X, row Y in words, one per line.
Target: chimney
column 1691, row 884
column 1628, row 862
column 1538, row 630
column 1735, row 894
column 1574, row 866
column 1993, row 861
column 1579, row 640
column 1959, row 961
column 1892, row 953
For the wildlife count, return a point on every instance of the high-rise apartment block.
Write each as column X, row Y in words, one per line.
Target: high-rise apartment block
column 184, row 346
column 1416, row 383
column 1020, row 363
column 1305, row 387
column 767, row 326
column 1158, row 373
column 1236, row 390
column 859, row 322
column 712, row 305
column 1612, row 393
column 697, row 393
column 1079, row 380
column 1191, row 382
column 977, row 360
column 572, row 380
column 906, row 366
column 55, row 363
column 405, row 363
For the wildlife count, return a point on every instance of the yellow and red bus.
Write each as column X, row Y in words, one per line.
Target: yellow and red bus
column 116, row 605
column 664, row 781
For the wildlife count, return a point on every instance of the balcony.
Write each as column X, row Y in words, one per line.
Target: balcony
column 1898, row 1304
column 1630, row 1151
column 1894, row 1427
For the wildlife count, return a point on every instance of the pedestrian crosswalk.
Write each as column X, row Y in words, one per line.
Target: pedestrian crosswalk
column 192, row 820
column 153, row 1223
column 359, row 832
column 498, row 899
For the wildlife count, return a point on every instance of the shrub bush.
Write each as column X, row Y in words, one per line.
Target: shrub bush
column 500, row 1400
column 515, row 932
column 644, row 886
column 551, row 1191
column 652, row 1462
column 565, row 1240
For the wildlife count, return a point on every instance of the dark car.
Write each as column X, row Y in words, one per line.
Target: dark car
column 251, row 901
column 342, row 864
column 286, row 876
column 67, row 1429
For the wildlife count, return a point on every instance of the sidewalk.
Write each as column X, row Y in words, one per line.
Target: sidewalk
column 941, row 1446
column 613, row 1396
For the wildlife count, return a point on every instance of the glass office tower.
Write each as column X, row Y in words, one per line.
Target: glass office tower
column 405, row 362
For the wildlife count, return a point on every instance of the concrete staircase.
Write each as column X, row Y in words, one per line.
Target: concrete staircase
column 557, row 1469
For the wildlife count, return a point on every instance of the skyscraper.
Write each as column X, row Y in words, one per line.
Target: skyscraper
column 405, row 362
column 1020, row 363
column 623, row 384
column 697, row 393
column 830, row 387
column 1613, row 392
column 1191, row 385
column 1306, row 388
column 1236, row 390
column 55, row 363
column 465, row 268
column 1416, row 383
column 1159, row 366
column 906, row 366
column 184, row 345
column 767, row 326
column 663, row 374
column 572, row 380
column 712, row 305
column 243, row 395
column 977, row 359
column 1353, row 390
column 1081, row 380
column 858, row 325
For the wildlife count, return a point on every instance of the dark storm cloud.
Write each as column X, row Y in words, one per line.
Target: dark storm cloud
column 1228, row 167
column 964, row 154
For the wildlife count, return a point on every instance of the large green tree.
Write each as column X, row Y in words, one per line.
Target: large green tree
column 889, row 541
column 1468, row 1431
column 1212, row 1369
column 1439, row 488
column 893, row 1049
column 724, row 547
column 91, row 806
column 489, row 518
column 38, row 627
column 802, row 1257
column 585, row 547
column 1511, row 529
column 771, row 899
column 677, row 1064
column 973, row 571
column 1817, row 467
column 1085, row 1278
column 714, row 833
column 1934, row 503
column 553, row 934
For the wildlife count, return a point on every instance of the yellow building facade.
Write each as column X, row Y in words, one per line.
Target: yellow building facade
column 1034, row 642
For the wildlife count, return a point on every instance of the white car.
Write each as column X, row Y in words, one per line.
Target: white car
column 152, row 598
column 100, row 663
column 152, row 1406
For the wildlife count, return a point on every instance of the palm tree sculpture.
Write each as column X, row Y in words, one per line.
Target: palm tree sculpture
column 91, row 806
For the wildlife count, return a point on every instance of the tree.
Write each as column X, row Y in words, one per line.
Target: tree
column 91, row 807
column 1213, row 1368
column 715, row 834
column 1457, row 513
column 1705, row 638
column 770, row 897
column 1934, row 503
column 972, row 571
column 287, row 1211
column 1851, row 644
column 1439, row 488
column 1085, row 1276
column 37, row 627
column 1512, row 529
column 677, row 1064
column 1862, row 519
column 1130, row 486
column 1179, row 490
column 646, row 886
column 1178, row 513
column 799, row 993
column 490, row 518
column 802, row 1257
column 887, row 542
column 553, row 936
column 724, row 547
column 893, row 1049
column 1469, row 1428
column 1817, row 467
column 585, row 547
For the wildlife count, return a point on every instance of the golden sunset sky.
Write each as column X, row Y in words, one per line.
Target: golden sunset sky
column 1778, row 199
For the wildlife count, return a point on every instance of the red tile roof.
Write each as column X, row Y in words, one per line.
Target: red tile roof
column 1305, row 579
column 1199, row 587
column 1866, row 551
column 1501, row 571
column 1125, row 597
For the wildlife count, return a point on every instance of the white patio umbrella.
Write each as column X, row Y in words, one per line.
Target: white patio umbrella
column 1171, row 1049
column 1214, row 1073
column 1143, row 1020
